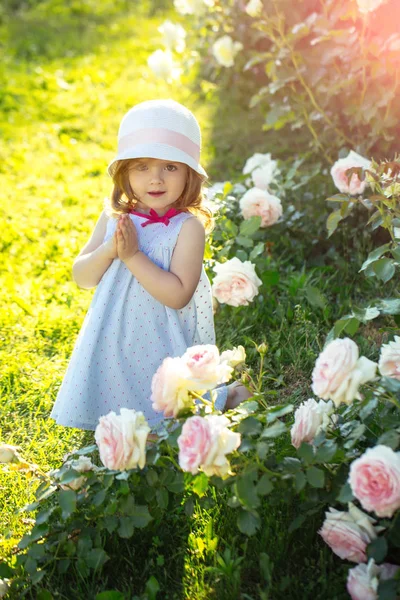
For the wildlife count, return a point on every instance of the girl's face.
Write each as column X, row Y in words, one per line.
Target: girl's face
column 157, row 183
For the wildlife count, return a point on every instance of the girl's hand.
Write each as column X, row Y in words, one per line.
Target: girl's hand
column 111, row 247
column 127, row 240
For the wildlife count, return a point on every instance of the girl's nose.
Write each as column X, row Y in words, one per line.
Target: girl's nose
column 156, row 174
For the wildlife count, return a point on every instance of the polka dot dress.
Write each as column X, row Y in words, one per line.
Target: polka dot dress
column 126, row 334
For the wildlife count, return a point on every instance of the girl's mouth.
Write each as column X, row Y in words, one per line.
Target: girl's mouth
column 156, row 194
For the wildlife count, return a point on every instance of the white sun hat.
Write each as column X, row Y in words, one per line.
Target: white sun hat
column 161, row 129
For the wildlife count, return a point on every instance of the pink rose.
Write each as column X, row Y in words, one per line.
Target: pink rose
column 204, row 444
column 338, row 172
column 375, row 480
column 236, row 282
column 362, row 581
column 366, row 6
column 333, row 366
column 169, row 388
column 309, row 419
column 389, row 360
column 122, row 439
column 194, row 444
column 339, row 372
column 349, row 533
column 205, row 367
column 259, row 203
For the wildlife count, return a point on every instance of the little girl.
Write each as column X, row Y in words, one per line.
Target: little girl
column 145, row 256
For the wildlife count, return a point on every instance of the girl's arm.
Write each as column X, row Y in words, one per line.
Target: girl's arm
column 95, row 257
column 175, row 287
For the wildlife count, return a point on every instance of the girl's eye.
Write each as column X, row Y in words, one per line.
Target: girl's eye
column 171, row 168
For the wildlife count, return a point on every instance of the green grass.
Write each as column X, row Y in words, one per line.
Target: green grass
column 69, row 73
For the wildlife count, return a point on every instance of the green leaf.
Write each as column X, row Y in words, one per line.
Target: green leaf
column 126, row 528
column 99, row 497
column 30, row 565
column 315, row 477
column 326, row 451
column 366, row 314
column 345, row 494
column 141, row 516
column 387, row 590
column 264, row 485
column 38, row 576
column 152, row 588
column 249, row 226
column 244, row 241
column 333, row 221
column 374, row 255
column 96, row 558
column 67, row 501
column 44, row 595
column 396, row 253
column 274, row 430
column 177, row 485
column 249, row 426
column 151, row 477
column 384, row 269
column 315, row 297
column 63, row 565
column 246, row 491
column 248, row 523
column 306, row 452
column 279, row 411
column 296, row 523
column 299, row 481
column 377, row 549
column 291, row 465
column 162, row 498
column 200, row 484
column 6, row 572
column 389, row 306
column 351, row 326
column 390, row 438
column 257, row 250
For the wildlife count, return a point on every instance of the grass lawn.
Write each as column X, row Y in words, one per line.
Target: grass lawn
column 68, row 75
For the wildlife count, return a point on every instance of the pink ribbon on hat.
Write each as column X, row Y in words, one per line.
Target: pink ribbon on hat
column 153, row 217
column 160, row 135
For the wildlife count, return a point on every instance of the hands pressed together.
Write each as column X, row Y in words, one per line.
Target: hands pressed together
column 124, row 243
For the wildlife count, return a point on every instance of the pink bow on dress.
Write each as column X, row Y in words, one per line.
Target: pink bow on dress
column 153, row 217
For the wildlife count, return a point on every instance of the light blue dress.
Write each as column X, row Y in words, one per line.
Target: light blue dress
column 126, row 334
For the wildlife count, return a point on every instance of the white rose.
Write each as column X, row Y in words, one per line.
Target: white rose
column 173, row 36
column 263, row 170
column 309, row 419
column 225, row 50
column 259, row 203
column 362, row 581
column 163, row 65
column 216, row 188
column 366, row 6
column 223, row 442
column 234, row 357
column 338, row 172
column 364, row 371
column 389, row 359
column 236, row 282
column 83, row 464
column 8, row 453
column 254, row 8
column 3, row 588
column 192, row 7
